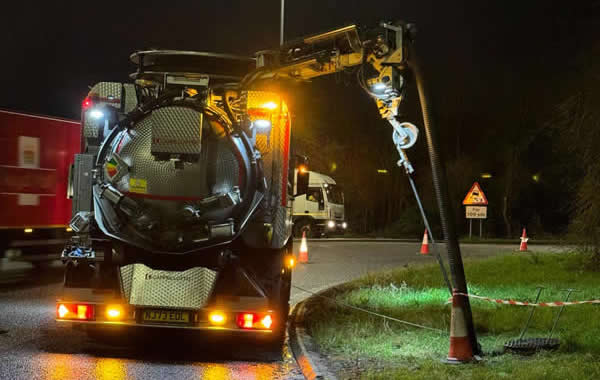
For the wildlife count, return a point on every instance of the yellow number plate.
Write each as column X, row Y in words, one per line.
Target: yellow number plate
column 167, row 316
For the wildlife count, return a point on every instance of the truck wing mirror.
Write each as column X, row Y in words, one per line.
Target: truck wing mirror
column 302, row 173
column 302, row 181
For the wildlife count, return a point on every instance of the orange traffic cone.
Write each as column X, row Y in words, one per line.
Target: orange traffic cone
column 303, row 254
column 460, row 344
column 425, row 244
column 524, row 238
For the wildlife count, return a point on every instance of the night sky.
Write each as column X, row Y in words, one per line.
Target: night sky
column 53, row 50
column 497, row 71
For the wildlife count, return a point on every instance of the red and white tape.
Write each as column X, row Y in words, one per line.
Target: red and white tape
column 521, row 303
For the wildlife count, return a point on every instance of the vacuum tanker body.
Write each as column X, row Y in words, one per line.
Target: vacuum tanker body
column 182, row 200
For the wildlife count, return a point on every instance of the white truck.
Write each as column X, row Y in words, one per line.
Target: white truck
column 319, row 212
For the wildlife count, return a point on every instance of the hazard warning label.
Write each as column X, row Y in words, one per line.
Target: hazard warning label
column 475, row 196
column 138, row 185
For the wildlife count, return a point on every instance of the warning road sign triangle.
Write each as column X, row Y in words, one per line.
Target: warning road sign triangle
column 475, row 196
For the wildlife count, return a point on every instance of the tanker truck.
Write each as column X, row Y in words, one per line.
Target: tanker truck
column 184, row 187
column 182, row 201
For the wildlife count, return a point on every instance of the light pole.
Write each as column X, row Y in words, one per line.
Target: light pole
column 282, row 19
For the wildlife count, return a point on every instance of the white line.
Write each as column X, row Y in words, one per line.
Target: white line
column 26, row 167
column 39, row 195
column 40, row 117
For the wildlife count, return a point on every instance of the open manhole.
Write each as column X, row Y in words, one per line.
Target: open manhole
column 3, row 331
column 532, row 344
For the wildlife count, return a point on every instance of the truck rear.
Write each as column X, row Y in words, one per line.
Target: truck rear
column 34, row 168
column 182, row 204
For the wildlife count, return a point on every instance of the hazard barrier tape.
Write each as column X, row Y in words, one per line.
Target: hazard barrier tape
column 522, row 303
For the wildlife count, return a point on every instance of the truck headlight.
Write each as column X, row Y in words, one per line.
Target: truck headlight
column 344, row 225
column 96, row 114
column 331, row 224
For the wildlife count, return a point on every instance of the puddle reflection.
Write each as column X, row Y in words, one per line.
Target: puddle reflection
column 57, row 367
column 110, row 369
column 158, row 354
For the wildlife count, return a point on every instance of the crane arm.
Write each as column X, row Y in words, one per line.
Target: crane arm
column 377, row 57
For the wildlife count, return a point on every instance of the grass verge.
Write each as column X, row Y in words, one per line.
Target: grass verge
column 366, row 346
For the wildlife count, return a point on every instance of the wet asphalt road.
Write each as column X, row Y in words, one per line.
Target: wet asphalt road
column 33, row 346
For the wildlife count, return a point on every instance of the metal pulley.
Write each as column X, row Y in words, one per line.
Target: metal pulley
column 405, row 134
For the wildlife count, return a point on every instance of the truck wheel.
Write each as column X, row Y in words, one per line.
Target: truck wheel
column 277, row 339
column 282, row 299
column 286, row 287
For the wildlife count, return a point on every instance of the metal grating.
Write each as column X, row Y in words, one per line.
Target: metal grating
column 91, row 127
column 161, row 176
column 532, row 344
column 255, row 100
column 130, row 100
column 176, row 130
column 108, row 91
column 144, row 286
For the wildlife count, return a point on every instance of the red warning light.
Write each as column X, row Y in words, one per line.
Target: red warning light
column 87, row 103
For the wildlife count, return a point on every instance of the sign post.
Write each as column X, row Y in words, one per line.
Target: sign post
column 475, row 204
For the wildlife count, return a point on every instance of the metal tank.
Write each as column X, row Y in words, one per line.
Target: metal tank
column 186, row 159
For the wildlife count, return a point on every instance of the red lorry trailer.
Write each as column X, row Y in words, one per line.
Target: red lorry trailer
column 37, row 152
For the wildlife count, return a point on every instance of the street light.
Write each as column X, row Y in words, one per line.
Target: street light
column 282, row 19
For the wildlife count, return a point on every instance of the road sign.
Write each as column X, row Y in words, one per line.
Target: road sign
column 475, row 196
column 476, row 212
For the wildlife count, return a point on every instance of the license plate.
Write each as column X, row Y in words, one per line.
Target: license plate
column 166, row 316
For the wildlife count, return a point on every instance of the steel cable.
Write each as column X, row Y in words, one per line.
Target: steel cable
column 371, row 312
column 426, row 222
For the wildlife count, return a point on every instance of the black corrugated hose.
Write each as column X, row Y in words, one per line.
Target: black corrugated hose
column 440, row 183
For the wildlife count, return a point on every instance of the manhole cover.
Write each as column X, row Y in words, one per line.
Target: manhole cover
column 532, row 344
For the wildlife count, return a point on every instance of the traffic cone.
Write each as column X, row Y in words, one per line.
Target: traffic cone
column 460, row 344
column 303, row 254
column 425, row 245
column 524, row 238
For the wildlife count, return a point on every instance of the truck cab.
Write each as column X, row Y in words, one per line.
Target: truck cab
column 319, row 212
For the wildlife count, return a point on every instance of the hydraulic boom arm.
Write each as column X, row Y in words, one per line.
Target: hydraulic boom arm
column 377, row 59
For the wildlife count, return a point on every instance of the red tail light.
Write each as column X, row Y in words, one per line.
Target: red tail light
column 77, row 311
column 245, row 320
column 87, row 103
column 254, row 321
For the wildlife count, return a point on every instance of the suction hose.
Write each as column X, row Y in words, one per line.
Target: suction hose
column 440, row 184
